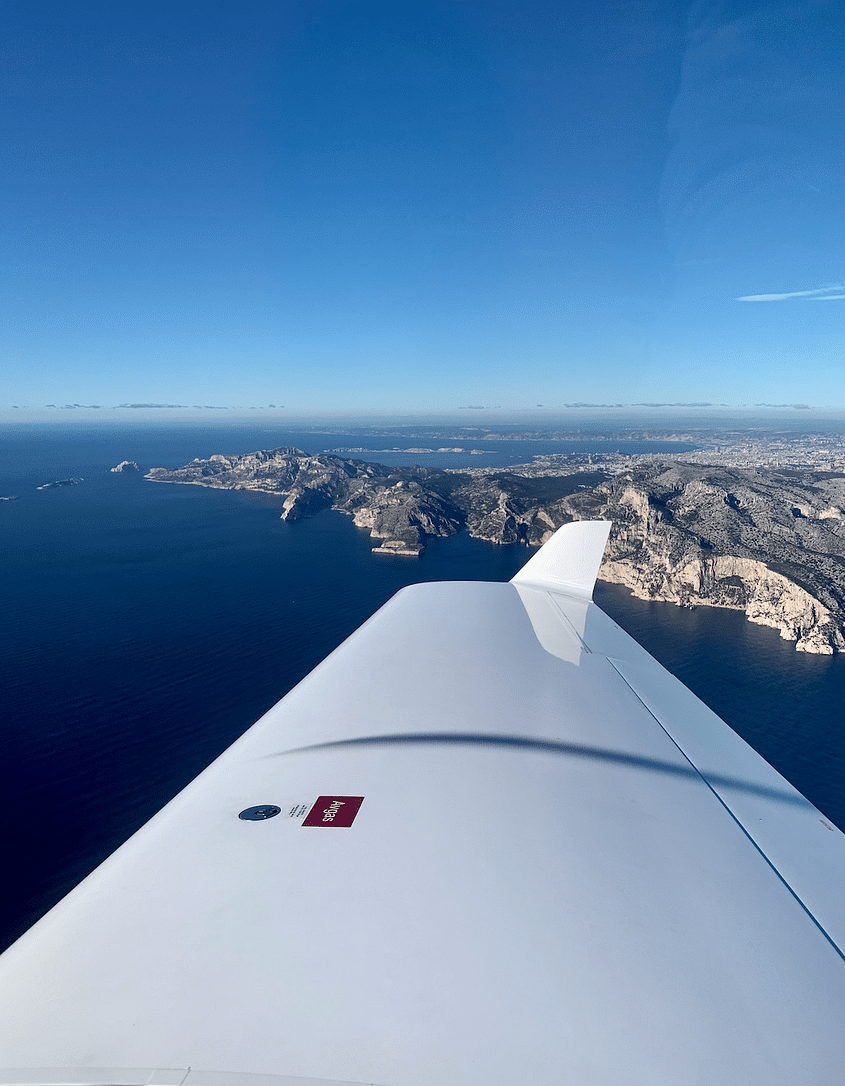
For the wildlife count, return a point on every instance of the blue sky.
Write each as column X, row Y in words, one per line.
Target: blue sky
column 422, row 205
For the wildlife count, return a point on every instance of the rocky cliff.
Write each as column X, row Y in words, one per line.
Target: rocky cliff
column 770, row 542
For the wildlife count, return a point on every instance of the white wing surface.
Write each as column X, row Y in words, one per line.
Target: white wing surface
column 510, row 849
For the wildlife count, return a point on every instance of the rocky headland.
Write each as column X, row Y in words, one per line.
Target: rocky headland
column 768, row 541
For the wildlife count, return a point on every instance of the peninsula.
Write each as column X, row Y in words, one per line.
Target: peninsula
column 769, row 541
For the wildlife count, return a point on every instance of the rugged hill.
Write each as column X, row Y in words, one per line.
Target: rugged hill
column 770, row 542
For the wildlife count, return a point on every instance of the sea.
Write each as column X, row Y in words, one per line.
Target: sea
column 146, row 626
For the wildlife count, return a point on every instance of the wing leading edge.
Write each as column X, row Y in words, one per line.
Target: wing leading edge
column 560, row 867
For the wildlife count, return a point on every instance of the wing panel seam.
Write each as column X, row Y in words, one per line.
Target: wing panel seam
column 732, row 815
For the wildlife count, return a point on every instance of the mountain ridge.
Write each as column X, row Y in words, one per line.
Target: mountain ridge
column 768, row 541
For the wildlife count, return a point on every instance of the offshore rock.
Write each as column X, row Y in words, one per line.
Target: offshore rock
column 60, row 482
column 125, row 465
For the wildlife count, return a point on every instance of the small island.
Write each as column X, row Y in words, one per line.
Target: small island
column 59, row 482
column 125, row 465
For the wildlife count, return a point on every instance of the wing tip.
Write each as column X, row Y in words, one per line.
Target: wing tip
column 570, row 560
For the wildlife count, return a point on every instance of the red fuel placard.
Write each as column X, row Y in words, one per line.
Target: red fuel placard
column 334, row 811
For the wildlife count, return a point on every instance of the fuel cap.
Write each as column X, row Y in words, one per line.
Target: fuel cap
column 258, row 814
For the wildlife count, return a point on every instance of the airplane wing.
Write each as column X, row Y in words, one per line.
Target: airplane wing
column 489, row 840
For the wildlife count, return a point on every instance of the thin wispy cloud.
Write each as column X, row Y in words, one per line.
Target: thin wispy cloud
column 820, row 294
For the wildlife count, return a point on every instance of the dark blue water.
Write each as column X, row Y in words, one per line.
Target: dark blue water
column 146, row 626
